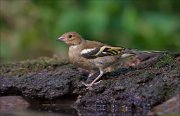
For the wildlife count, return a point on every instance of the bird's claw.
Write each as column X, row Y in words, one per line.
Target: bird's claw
column 98, row 82
column 89, row 86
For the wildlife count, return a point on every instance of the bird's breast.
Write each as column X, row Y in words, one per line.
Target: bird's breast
column 76, row 59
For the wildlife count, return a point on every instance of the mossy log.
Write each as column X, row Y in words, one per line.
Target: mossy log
column 154, row 80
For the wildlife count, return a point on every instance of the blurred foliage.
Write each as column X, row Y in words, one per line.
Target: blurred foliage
column 29, row 28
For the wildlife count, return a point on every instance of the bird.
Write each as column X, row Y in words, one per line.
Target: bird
column 93, row 56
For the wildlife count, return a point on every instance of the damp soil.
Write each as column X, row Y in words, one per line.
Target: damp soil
column 133, row 88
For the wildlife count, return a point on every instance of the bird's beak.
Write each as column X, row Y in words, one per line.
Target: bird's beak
column 61, row 39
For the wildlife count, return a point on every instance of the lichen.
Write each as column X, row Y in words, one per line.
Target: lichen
column 165, row 60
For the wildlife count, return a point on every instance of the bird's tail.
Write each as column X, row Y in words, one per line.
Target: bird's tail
column 133, row 52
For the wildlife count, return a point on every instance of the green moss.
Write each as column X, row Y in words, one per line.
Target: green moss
column 175, row 71
column 23, row 67
column 145, row 74
column 165, row 60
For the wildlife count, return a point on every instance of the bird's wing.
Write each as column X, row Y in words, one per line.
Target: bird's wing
column 101, row 51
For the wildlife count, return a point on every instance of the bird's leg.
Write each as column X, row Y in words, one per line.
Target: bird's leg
column 99, row 76
column 90, row 74
column 90, row 77
column 94, row 81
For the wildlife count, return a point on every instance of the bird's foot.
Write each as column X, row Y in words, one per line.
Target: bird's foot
column 89, row 86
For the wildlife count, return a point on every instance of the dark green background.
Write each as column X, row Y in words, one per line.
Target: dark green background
column 29, row 28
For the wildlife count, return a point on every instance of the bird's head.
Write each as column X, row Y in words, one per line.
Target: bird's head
column 71, row 38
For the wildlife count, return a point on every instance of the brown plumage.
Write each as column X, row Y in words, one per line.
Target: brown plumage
column 92, row 55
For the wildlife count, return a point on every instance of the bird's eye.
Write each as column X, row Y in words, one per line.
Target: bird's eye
column 70, row 36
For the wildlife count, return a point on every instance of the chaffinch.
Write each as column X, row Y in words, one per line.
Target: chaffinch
column 92, row 55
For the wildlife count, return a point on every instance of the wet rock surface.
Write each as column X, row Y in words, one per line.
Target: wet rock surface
column 129, row 90
column 12, row 102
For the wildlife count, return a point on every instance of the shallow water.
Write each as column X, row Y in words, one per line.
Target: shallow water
column 18, row 106
column 42, row 110
column 62, row 110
